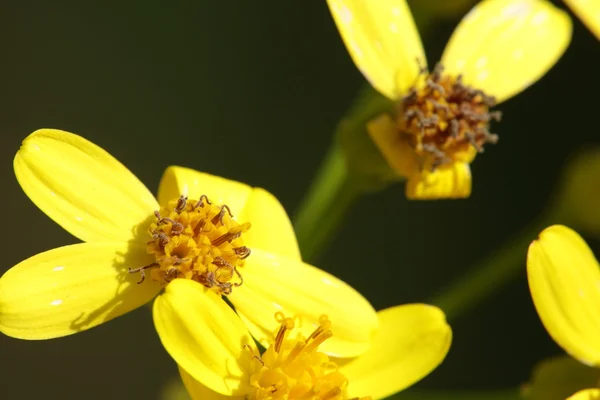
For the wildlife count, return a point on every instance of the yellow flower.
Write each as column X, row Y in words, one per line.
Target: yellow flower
column 185, row 241
column 587, row 394
column 498, row 49
column 589, row 12
column 564, row 280
column 413, row 340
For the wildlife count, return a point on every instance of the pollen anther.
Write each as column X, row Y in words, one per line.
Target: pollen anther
column 197, row 240
column 444, row 120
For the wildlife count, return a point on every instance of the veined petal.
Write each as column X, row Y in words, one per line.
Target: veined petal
column 587, row 394
column 452, row 181
column 558, row 377
column 198, row 391
column 382, row 40
column 71, row 289
column 82, row 187
column 273, row 283
column 564, row 280
column 412, row 341
column 178, row 180
column 504, row 46
column 271, row 229
column 204, row 336
column 396, row 151
column 589, row 12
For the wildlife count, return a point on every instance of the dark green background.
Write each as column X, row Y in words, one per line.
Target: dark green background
column 252, row 90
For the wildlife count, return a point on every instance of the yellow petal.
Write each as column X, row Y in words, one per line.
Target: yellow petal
column 271, row 227
column 71, row 289
column 397, row 152
column 558, row 377
column 412, row 341
column 452, row 181
column 564, row 280
column 178, row 180
column 504, row 46
column 198, row 391
column 204, row 336
column 589, row 12
column 82, row 187
column 273, row 283
column 588, row 394
column 382, row 40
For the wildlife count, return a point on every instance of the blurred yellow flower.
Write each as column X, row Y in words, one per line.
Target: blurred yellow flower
column 187, row 242
column 564, row 280
column 413, row 340
column 589, row 12
column 498, row 49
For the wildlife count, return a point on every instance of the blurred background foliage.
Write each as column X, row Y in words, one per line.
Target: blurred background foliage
column 252, row 91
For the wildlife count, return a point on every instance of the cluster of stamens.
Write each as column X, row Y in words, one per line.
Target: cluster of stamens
column 196, row 240
column 444, row 120
column 293, row 368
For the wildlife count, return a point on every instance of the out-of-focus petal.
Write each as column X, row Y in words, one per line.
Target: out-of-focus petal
column 71, row 289
column 588, row 394
column 179, row 180
column 557, row 378
column 382, row 40
column 396, row 151
column 412, row 341
column 198, row 391
column 204, row 336
column 564, row 280
column 504, row 46
column 82, row 187
column 589, row 12
column 273, row 283
column 452, row 181
column 271, row 229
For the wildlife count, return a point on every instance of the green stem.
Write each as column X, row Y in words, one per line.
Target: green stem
column 504, row 265
column 325, row 204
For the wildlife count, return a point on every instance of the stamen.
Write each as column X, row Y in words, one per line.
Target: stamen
column 200, row 241
column 142, row 271
column 444, row 120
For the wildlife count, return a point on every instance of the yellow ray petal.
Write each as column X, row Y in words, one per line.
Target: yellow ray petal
column 589, row 12
column 204, row 336
column 558, row 377
column 273, row 283
column 271, row 227
column 198, row 391
column 452, row 181
column 382, row 40
column 178, row 180
column 588, row 394
column 504, row 46
column 396, row 151
column 71, row 289
column 82, row 187
column 412, row 340
column 564, row 280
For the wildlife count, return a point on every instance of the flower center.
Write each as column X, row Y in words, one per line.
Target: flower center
column 445, row 120
column 293, row 369
column 197, row 240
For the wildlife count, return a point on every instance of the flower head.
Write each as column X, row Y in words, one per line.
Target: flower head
column 412, row 341
column 564, row 280
column 443, row 117
column 202, row 238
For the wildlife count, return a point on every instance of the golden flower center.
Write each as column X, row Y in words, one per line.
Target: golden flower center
column 294, row 369
column 444, row 120
column 197, row 240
